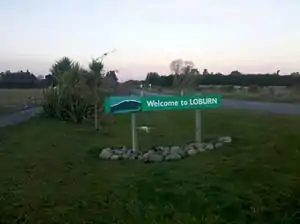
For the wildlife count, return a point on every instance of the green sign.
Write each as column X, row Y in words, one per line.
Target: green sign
column 132, row 104
column 123, row 104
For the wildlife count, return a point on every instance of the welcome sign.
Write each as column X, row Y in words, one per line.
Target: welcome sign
column 134, row 104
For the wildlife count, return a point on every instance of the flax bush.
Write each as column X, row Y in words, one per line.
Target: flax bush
column 73, row 94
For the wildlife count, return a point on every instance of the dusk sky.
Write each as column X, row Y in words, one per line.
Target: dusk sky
column 220, row 35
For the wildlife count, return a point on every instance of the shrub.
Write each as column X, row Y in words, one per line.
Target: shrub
column 74, row 96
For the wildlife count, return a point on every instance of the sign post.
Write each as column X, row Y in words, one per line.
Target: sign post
column 198, row 125
column 134, row 104
column 133, row 132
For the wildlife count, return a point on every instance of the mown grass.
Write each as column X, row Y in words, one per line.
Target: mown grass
column 12, row 100
column 50, row 172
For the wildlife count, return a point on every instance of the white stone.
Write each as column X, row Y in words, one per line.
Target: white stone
column 175, row 149
column 132, row 157
column 145, row 155
column 209, row 146
column 173, row 156
column 118, row 152
column 107, row 150
column 115, row 157
column 199, row 146
column 225, row 139
column 126, row 155
column 192, row 152
column 182, row 152
column 105, row 154
column 166, row 151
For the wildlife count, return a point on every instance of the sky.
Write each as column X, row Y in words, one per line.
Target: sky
column 256, row 36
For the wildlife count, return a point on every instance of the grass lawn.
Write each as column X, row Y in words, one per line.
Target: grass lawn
column 50, row 172
column 12, row 100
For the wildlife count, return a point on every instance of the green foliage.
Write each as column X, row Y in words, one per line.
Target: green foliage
column 59, row 68
column 75, row 92
column 96, row 74
column 65, row 105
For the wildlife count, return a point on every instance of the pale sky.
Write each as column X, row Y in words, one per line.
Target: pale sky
column 220, row 35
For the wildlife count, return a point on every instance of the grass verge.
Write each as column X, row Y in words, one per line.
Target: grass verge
column 50, row 172
column 12, row 100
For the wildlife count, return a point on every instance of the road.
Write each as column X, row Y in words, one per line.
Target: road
column 278, row 108
column 20, row 116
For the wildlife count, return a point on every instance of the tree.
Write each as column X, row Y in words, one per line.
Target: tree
column 295, row 74
column 96, row 75
column 187, row 67
column 176, row 66
column 113, row 75
column 18, row 79
column 153, row 78
column 195, row 71
column 70, row 98
column 205, row 72
column 40, row 77
column 59, row 68
column 235, row 72
column 181, row 71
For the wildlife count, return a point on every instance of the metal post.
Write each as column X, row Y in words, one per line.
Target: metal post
column 133, row 132
column 181, row 92
column 198, row 125
column 133, row 128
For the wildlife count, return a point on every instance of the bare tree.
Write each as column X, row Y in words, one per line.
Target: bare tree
column 176, row 66
column 187, row 67
column 184, row 72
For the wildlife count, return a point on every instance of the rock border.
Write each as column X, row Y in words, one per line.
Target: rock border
column 163, row 153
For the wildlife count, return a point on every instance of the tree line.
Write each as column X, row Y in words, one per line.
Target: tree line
column 154, row 78
column 183, row 74
column 23, row 80
column 27, row 80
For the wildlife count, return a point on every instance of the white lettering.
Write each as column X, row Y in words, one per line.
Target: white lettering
column 151, row 103
column 158, row 103
column 214, row 100
column 200, row 101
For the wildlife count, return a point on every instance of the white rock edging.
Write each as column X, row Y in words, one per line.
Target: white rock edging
column 163, row 153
